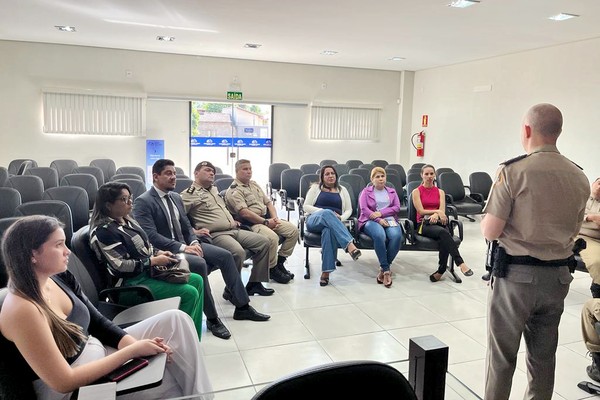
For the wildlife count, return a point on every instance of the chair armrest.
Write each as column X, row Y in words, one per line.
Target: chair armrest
column 300, row 202
column 113, row 293
column 269, row 189
column 270, row 193
column 455, row 223
column 449, row 199
column 351, row 224
column 477, row 197
column 409, row 228
column 451, row 211
column 283, row 195
column 142, row 311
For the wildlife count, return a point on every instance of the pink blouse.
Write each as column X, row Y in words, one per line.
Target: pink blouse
column 430, row 199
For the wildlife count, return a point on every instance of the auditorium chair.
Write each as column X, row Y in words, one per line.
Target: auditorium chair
column 48, row 175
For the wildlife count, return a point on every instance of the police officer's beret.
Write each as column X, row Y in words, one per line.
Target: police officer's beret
column 206, row 164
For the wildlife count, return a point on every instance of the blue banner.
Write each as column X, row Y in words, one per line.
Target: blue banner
column 155, row 150
column 229, row 142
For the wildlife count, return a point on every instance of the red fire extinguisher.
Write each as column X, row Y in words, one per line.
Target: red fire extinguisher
column 420, row 145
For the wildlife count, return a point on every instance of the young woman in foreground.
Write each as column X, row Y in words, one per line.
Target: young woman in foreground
column 57, row 339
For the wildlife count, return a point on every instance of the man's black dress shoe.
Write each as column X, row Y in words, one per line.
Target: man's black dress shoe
column 218, row 329
column 250, row 314
column 257, row 288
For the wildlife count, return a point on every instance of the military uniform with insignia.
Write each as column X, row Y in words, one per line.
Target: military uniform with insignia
column 250, row 196
column 207, row 209
column 541, row 197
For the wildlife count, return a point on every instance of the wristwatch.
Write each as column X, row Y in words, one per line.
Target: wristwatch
column 266, row 222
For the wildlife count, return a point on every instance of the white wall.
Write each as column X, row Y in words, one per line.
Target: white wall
column 25, row 68
column 471, row 131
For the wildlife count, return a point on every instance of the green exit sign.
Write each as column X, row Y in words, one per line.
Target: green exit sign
column 234, row 95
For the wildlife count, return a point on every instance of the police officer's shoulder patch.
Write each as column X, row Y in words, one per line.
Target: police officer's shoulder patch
column 191, row 190
column 233, row 186
column 514, row 160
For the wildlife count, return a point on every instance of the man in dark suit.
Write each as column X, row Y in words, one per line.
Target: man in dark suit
column 160, row 212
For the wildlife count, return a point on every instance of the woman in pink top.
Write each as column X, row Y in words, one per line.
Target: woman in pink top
column 430, row 201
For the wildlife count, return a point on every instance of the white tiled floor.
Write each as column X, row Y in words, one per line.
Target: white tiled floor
column 355, row 318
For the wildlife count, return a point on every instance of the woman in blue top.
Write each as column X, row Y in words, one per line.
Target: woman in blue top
column 54, row 338
column 327, row 205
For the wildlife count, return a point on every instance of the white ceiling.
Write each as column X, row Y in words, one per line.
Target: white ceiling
column 427, row 33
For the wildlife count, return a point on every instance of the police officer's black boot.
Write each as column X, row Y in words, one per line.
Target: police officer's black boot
column 593, row 370
column 280, row 261
column 278, row 275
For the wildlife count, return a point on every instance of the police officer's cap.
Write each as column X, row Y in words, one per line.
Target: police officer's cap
column 207, row 164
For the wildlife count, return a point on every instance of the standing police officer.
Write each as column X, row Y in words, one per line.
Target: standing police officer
column 535, row 210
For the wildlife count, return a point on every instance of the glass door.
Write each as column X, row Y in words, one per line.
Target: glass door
column 223, row 133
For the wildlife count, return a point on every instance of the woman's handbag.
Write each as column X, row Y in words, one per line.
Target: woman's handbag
column 178, row 272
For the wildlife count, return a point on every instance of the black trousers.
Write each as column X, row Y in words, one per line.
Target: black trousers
column 218, row 258
column 447, row 245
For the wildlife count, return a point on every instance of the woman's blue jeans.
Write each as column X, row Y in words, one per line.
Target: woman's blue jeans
column 386, row 241
column 333, row 235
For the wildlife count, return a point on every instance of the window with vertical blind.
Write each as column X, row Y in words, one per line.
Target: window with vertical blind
column 72, row 112
column 340, row 122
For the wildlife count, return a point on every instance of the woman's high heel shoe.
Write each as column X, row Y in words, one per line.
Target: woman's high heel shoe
column 387, row 279
column 355, row 254
column 380, row 277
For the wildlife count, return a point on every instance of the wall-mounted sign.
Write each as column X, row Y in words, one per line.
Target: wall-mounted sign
column 229, row 142
column 234, row 96
column 155, row 150
column 425, row 121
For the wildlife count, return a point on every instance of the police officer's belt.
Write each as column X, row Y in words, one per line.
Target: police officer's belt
column 528, row 260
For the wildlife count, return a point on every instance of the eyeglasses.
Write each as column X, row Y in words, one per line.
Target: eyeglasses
column 126, row 199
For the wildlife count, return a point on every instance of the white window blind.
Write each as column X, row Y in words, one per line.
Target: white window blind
column 344, row 123
column 94, row 114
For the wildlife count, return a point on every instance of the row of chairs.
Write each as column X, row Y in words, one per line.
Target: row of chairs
column 413, row 241
column 32, row 188
column 102, row 169
column 276, row 169
column 284, row 181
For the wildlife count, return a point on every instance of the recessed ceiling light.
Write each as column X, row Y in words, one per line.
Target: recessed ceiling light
column 562, row 16
column 329, row 52
column 165, row 38
column 252, row 45
column 65, row 28
column 463, row 3
column 396, row 59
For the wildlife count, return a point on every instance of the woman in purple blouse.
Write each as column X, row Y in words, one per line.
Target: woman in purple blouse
column 379, row 208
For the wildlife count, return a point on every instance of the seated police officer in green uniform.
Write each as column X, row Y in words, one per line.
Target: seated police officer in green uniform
column 251, row 206
column 209, row 216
